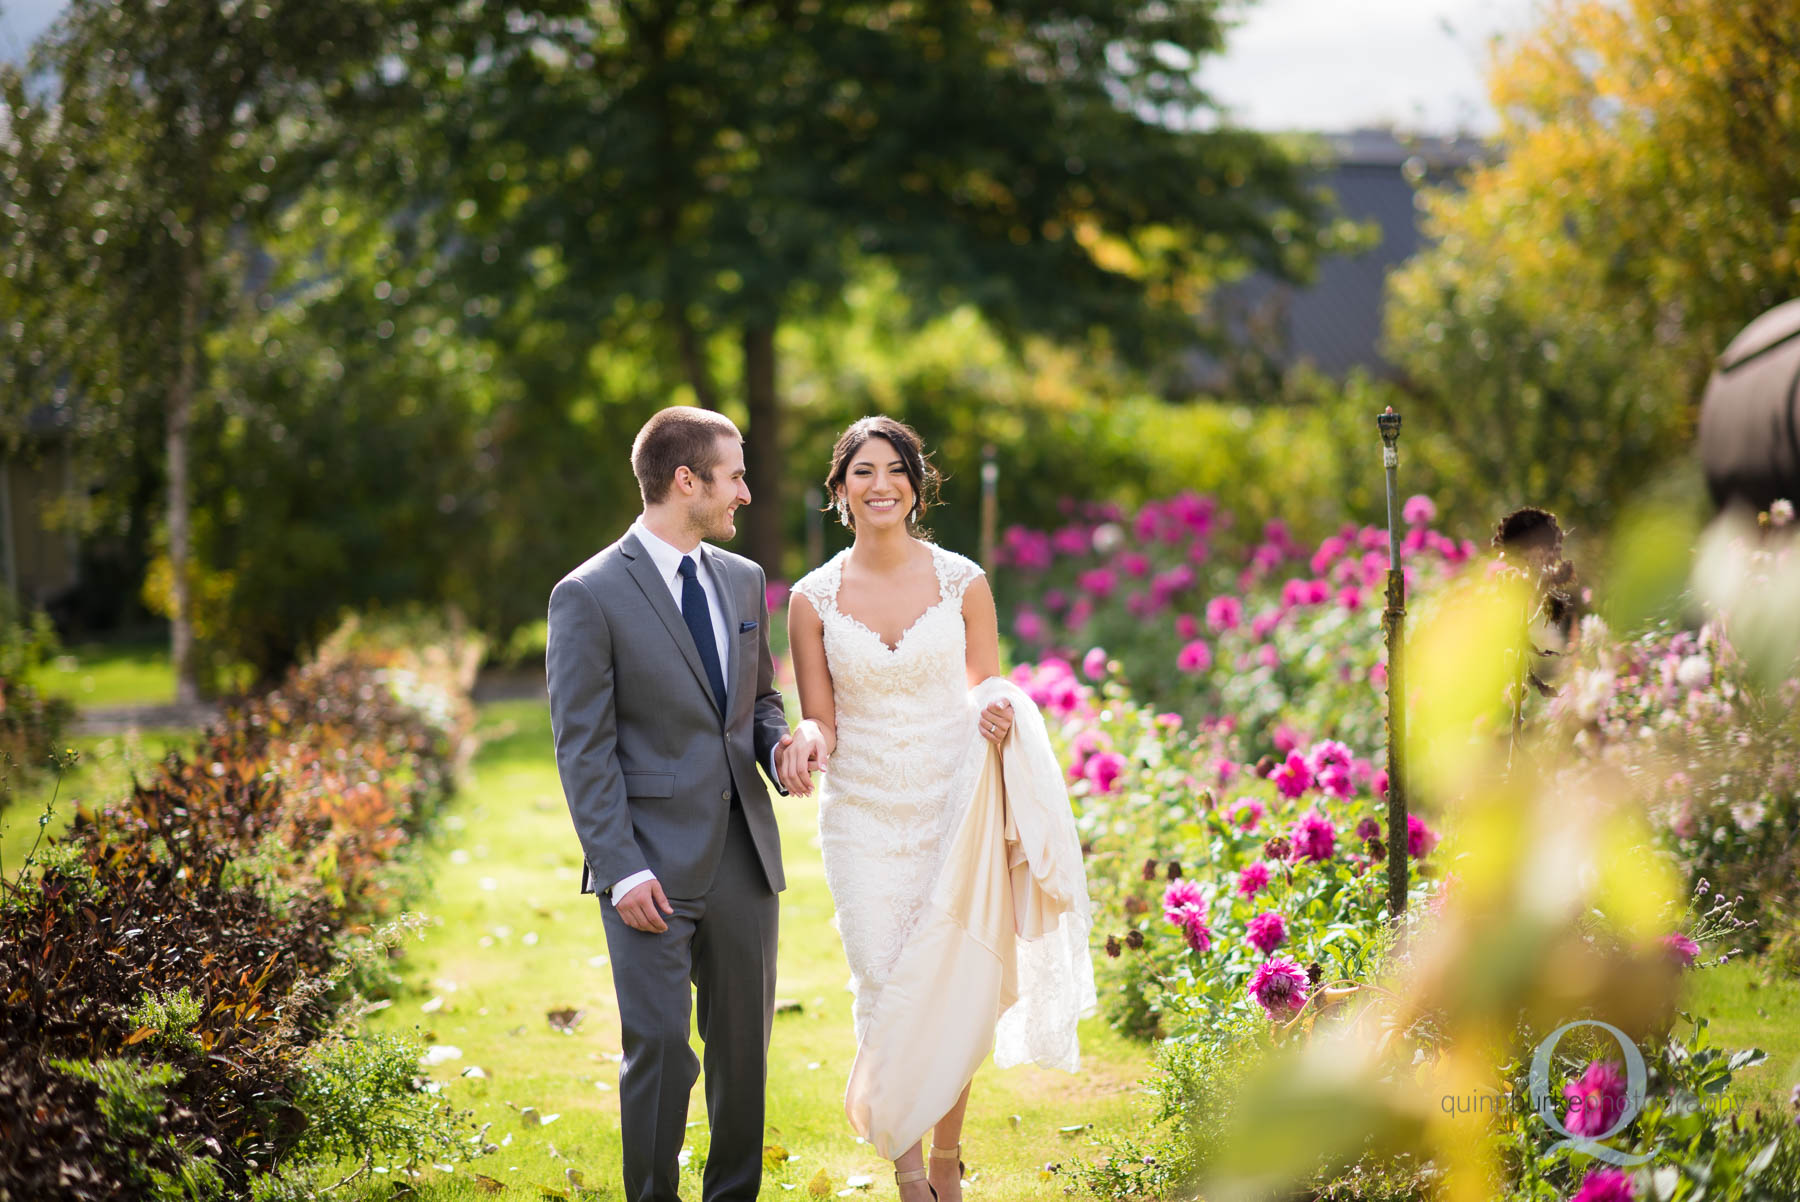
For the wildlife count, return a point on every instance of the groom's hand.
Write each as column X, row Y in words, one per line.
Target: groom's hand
column 798, row 756
column 639, row 908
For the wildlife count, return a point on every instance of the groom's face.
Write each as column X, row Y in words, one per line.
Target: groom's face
column 713, row 510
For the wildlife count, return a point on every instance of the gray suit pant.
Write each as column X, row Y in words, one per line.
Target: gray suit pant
column 724, row 943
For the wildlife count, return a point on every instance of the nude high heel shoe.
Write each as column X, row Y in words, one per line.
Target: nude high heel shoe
column 912, row 1175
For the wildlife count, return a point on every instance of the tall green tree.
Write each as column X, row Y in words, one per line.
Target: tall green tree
column 1639, row 209
column 141, row 142
column 721, row 167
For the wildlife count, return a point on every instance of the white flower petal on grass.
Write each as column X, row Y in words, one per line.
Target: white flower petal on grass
column 490, row 884
column 440, row 1053
column 433, row 1006
column 599, row 961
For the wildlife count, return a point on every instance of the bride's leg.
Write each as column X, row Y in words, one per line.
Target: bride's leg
column 909, row 1176
column 946, row 1171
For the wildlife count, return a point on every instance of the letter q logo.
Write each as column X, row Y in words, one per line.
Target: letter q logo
column 1635, row 1078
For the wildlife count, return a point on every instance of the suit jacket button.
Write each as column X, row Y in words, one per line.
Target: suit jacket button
column 725, row 796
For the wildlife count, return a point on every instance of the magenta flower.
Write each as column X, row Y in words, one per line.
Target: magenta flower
column 1314, row 837
column 1094, row 663
column 1028, row 626
column 1224, row 613
column 1182, row 898
column 1072, row 540
column 1606, row 1185
column 1098, row 582
column 1055, row 600
column 1199, row 936
column 1368, row 829
column 1327, row 554
column 1335, row 779
column 1380, row 783
column 1264, row 622
column 1418, row 510
column 1420, row 839
column 775, row 594
column 1279, row 987
column 1327, row 752
column 1267, row 656
column 1247, row 812
column 1293, row 777
column 1349, row 597
column 1104, row 770
column 1378, row 676
column 1134, row 564
column 1681, row 949
column 1186, row 627
column 1267, row 931
column 1597, row 1100
column 1285, row 739
column 1195, row 657
column 1169, row 721
column 1253, row 879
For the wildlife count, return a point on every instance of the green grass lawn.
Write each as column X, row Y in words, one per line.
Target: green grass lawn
column 105, row 674
column 102, row 772
column 1752, row 1004
column 511, row 940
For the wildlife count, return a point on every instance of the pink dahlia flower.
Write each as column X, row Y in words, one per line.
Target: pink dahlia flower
column 1327, row 752
column 1420, row 839
column 1293, row 777
column 1264, row 622
column 1098, row 582
column 1182, row 898
column 1094, row 663
column 1224, row 613
column 1418, row 510
column 1279, row 987
column 1335, row 779
column 1104, row 770
column 1368, row 829
column 1195, row 657
column 1606, row 1185
column 1681, row 949
column 1314, row 836
column 1267, row 931
column 1028, row 626
column 1187, row 627
column 1597, row 1100
column 1252, row 880
column 1199, row 936
column 1247, row 812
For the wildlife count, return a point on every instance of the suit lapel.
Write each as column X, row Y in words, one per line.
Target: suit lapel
column 734, row 663
column 656, row 591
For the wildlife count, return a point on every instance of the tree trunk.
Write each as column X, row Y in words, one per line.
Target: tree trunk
column 762, row 450
column 692, row 349
column 180, row 415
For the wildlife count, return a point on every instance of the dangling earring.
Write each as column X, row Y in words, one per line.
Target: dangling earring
column 843, row 511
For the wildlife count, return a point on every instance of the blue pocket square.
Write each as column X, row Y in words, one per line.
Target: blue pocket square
column 746, row 627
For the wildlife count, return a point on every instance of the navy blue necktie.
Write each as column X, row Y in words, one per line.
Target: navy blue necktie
column 697, row 615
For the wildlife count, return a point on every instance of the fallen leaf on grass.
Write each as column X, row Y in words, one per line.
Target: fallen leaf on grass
column 773, row 1154
column 488, row 1185
column 820, row 1185
column 788, row 1005
column 566, row 1020
column 574, row 1177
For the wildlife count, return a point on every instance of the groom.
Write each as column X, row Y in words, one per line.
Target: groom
column 663, row 704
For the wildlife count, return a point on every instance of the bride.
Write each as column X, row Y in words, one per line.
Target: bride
column 896, row 654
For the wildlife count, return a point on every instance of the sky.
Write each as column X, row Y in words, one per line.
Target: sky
column 1317, row 65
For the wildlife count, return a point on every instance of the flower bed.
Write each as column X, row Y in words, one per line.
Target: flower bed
column 175, row 972
column 1207, row 623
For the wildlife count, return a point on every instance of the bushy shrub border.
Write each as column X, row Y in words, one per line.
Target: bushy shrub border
column 172, row 970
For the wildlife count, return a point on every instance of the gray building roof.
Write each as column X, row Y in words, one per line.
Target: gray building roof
column 1334, row 323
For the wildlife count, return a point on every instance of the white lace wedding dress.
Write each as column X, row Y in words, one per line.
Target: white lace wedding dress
column 907, row 760
column 886, row 806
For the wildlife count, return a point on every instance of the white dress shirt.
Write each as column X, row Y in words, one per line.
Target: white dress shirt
column 668, row 559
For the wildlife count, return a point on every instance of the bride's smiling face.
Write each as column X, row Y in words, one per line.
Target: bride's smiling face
column 876, row 486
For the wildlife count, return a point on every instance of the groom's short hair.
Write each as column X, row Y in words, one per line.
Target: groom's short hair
column 679, row 436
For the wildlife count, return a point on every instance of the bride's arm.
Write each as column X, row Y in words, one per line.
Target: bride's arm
column 983, row 632
column 982, row 658
column 806, row 643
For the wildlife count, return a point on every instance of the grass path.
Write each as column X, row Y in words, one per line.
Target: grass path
column 511, row 940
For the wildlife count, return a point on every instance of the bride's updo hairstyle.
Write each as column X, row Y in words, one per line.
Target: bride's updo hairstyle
column 913, row 461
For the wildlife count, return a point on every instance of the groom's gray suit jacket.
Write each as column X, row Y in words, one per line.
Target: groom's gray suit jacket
column 648, row 764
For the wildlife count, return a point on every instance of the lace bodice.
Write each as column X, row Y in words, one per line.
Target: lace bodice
column 886, row 806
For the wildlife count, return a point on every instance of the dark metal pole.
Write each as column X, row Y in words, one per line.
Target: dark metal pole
column 990, row 506
column 1393, row 625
